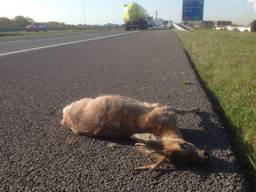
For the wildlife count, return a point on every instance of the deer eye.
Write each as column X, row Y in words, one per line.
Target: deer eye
column 184, row 146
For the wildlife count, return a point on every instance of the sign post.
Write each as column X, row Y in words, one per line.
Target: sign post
column 193, row 10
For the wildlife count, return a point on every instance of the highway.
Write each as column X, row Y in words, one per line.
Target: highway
column 15, row 45
column 39, row 76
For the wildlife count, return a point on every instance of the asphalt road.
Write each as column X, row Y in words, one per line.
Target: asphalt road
column 38, row 154
column 10, row 45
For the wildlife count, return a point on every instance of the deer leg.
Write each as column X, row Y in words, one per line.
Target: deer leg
column 152, row 166
column 182, row 111
column 146, row 151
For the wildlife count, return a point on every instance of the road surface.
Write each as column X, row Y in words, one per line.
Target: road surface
column 38, row 154
column 13, row 45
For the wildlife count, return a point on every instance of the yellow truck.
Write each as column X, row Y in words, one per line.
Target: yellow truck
column 135, row 16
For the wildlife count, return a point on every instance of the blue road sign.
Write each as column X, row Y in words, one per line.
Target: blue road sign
column 193, row 10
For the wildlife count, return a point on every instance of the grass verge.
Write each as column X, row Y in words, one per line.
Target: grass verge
column 226, row 63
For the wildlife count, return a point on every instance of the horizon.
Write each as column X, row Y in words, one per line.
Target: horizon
column 102, row 12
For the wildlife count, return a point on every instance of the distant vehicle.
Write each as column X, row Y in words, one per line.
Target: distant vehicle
column 135, row 16
column 37, row 27
column 159, row 22
column 162, row 24
column 167, row 24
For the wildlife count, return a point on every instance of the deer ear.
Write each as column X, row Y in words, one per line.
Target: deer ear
column 151, row 141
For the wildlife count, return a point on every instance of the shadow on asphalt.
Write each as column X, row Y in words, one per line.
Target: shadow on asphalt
column 207, row 137
column 203, row 171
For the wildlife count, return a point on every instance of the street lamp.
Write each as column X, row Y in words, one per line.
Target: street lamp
column 84, row 13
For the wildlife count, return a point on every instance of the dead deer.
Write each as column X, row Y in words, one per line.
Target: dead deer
column 151, row 124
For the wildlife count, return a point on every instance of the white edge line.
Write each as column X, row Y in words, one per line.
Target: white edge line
column 67, row 43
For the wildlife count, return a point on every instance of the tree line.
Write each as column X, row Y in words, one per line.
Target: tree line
column 20, row 22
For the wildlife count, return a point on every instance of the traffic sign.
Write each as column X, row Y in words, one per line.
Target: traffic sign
column 193, row 10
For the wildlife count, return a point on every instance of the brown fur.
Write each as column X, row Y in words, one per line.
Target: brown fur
column 122, row 117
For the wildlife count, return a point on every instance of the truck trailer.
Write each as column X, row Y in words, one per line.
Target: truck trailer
column 135, row 16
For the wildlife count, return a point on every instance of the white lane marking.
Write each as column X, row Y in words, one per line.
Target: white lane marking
column 66, row 43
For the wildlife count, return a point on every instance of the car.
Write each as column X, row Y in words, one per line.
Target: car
column 37, row 27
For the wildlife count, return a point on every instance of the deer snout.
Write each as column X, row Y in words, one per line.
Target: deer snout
column 206, row 155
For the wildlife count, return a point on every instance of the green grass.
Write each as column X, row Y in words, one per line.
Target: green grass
column 186, row 82
column 226, row 62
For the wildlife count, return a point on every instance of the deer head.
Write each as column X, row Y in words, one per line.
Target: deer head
column 176, row 150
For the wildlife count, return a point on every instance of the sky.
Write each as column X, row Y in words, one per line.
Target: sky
column 111, row 11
